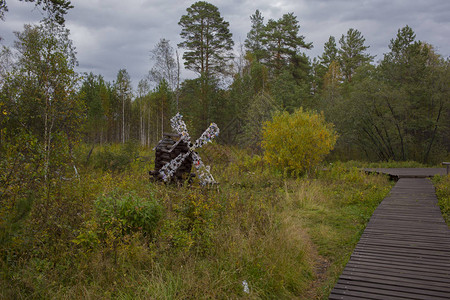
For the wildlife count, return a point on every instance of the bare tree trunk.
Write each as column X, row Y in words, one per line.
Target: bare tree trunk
column 398, row 129
column 177, row 93
column 123, row 120
column 141, row 135
column 427, row 153
column 141, row 127
column 119, row 132
column 162, row 118
column 148, row 129
column 48, row 127
column 157, row 126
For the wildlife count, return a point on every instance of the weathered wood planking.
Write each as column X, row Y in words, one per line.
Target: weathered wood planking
column 404, row 253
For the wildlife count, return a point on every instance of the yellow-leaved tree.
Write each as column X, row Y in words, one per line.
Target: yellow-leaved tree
column 297, row 142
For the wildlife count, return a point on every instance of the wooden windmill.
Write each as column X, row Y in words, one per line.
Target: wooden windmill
column 175, row 154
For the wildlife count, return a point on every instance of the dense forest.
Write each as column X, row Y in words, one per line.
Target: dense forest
column 79, row 217
column 395, row 109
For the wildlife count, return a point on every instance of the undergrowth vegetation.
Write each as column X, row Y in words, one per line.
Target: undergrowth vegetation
column 442, row 184
column 111, row 233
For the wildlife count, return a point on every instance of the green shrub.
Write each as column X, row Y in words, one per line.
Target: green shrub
column 133, row 213
column 297, row 142
column 442, row 184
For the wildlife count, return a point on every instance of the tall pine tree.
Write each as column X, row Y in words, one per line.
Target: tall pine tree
column 207, row 40
column 330, row 52
column 283, row 42
column 352, row 53
column 208, row 45
column 254, row 42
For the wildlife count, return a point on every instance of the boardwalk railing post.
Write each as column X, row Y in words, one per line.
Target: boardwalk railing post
column 447, row 164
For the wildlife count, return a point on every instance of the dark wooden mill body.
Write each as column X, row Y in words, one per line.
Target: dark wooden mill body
column 168, row 149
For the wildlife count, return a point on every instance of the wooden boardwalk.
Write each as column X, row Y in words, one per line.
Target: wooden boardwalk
column 409, row 172
column 404, row 253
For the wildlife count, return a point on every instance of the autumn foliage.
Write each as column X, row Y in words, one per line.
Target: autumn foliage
column 297, row 142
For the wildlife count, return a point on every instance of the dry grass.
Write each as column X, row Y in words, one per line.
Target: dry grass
column 286, row 238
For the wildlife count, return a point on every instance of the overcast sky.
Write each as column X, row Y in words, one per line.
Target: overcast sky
column 113, row 34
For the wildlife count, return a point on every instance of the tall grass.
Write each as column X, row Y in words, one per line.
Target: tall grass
column 442, row 184
column 282, row 237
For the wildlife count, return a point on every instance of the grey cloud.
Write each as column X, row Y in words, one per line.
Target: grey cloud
column 114, row 34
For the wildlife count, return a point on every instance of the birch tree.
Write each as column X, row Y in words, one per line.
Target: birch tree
column 124, row 92
column 40, row 91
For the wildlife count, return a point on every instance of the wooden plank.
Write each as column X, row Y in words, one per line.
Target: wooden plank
column 424, row 258
column 399, row 272
column 385, row 231
column 439, row 268
column 395, row 273
column 441, row 241
column 396, row 266
column 429, row 245
column 405, row 232
column 345, row 294
column 436, row 286
column 387, row 285
column 402, row 237
column 433, row 232
column 380, row 290
column 402, row 250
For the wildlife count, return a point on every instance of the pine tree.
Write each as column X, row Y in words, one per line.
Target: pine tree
column 254, row 41
column 330, row 52
column 283, row 42
column 322, row 64
column 207, row 40
column 352, row 53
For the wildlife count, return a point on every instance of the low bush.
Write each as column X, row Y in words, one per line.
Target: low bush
column 133, row 213
column 297, row 142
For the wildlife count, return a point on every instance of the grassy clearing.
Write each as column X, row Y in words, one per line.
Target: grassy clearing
column 285, row 237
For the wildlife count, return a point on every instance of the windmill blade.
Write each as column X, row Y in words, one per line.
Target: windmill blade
column 202, row 170
column 179, row 126
column 168, row 170
column 210, row 133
